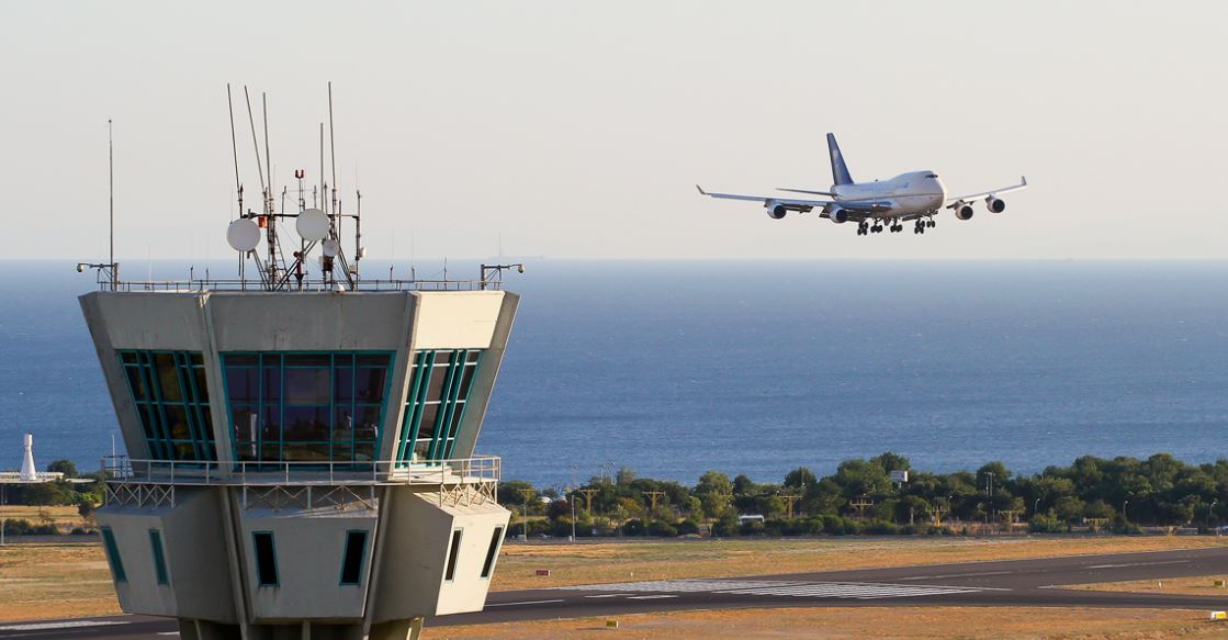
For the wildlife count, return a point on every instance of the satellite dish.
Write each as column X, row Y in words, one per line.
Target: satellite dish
column 243, row 234
column 312, row 225
column 331, row 248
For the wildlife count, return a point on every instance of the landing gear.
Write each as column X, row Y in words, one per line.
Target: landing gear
column 863, row 229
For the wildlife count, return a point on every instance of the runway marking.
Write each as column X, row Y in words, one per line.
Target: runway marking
column 846, row 590
column 516, row 604
column 1135, row 564
column 67, row 624
column 957, row 575
column 656, row 597
column 609, row 595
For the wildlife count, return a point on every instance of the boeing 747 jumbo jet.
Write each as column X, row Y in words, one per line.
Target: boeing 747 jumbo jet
column 909, row 197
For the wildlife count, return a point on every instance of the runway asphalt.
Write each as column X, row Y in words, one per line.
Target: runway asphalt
column 1014, row 583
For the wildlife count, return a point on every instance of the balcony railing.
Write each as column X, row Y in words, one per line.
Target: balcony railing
column 307, row 286
column 480, row 469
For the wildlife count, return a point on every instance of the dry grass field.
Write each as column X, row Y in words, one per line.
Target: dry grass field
column 64, row 518
column 608, row 561
column 55, row 580
column 62, row 579
column 1191, row 586
column 895, row 622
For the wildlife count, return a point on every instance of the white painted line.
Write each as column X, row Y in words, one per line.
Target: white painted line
column 516, row 604
column 958, row 575
column 1135, row 564
column 650, row 597
column 609, row 595
column 67, row 624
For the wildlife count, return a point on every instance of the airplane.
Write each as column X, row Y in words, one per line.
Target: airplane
column 916, row 196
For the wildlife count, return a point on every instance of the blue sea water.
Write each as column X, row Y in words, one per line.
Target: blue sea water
column 673, row 368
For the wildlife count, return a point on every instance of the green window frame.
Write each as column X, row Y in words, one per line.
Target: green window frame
column 117, row 563
column 159, row 557
column 441, row 383
column 353, row 556
column 171, row 395
column 264, row 550
column 307, row 406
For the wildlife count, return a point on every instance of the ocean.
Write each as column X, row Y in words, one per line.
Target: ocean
column 675, row 368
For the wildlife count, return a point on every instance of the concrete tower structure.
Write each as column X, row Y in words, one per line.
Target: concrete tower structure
column 301, row 442
column 29, row 472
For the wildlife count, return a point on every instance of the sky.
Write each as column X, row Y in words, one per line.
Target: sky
column 577, row 130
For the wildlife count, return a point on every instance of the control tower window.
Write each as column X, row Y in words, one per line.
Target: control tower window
column 306, row 407
column 435, row 404
column 172, row 400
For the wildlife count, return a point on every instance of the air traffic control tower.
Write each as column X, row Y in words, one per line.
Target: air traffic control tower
column 301, row 439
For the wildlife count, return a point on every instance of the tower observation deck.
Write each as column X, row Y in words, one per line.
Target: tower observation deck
column 301, row 445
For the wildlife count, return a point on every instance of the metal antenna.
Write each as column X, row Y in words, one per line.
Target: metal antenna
column 268, row 157
column 111, row 195
column 332, row 145
column 255, row 144
column 234, row 146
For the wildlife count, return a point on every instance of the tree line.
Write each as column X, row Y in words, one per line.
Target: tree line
column 1120, row 494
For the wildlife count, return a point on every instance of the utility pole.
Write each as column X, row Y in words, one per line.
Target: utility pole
column 861, row 504
column 526, row 493
column 653, row 495
column 790, row 499
column 572, row 502
column 588, row 499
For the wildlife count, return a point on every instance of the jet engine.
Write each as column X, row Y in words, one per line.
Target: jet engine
column 838, row 215
column 963, row 211
column 776, row 211
column 995, row 205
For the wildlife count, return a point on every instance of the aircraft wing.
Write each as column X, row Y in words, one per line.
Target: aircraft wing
column 787, row 202
column 1023, row 184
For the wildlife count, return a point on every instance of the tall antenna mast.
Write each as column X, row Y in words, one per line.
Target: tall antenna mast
column 332, row 148
column 234, row 146
column 111, row 194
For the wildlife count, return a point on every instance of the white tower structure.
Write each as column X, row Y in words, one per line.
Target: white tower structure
column 29, row 472
column 302, row 444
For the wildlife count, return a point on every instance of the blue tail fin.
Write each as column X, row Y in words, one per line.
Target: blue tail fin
column 839, row 171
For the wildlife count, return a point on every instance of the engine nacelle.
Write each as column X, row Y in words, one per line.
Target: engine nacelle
column 776, row 211
column 838, row 215
column 995, row 205
column 963, row 211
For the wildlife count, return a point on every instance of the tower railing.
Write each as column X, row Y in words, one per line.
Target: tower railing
column 478, row 469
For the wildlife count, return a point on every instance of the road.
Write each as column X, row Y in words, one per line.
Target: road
column 1015, row 583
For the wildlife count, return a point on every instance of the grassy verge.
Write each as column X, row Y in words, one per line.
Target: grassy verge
column 1190, row 586
column 901, row 622
column 610, row 561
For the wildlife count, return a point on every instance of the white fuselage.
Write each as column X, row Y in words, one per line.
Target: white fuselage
column 909, row 194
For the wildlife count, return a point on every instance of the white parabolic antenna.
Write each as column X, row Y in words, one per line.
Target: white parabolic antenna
column 312, row 225
column 331, row 248
column 243, row 234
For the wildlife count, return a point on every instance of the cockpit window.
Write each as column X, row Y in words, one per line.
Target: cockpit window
column 932, row 175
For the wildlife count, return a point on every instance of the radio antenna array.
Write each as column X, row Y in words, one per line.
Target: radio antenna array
column 317, row 227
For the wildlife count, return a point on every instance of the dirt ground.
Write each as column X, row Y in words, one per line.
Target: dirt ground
column 610, row 561
column 868, row 622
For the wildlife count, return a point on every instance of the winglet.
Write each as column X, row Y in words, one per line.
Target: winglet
column 701, row 190
column 1024, row 180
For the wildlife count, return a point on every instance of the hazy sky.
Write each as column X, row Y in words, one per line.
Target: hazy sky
column 578, row 129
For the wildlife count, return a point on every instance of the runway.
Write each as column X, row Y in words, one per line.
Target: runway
column 1015, row 583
